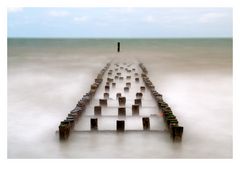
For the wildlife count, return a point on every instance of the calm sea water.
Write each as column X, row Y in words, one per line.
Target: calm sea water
column 46, row 77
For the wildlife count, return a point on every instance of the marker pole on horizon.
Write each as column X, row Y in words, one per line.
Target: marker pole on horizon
column 118, row 47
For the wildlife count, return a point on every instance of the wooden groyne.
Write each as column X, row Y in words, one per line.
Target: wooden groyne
column 176, row 131
column 126, row 78
column 67, row 125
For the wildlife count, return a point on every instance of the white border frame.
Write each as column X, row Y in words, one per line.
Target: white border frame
column 230, row 163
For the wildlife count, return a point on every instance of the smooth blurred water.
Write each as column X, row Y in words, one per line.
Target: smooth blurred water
column 46, row 78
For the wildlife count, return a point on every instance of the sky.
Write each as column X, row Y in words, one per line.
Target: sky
column 119, row 22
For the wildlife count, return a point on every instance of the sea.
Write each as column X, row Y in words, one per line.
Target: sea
column 47, row 77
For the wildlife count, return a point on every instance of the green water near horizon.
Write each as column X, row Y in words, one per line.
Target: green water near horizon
column 127, row 45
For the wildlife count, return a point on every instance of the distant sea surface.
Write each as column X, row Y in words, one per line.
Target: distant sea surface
column 46, row 77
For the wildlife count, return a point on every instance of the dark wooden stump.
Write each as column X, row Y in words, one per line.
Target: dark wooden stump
column 94, row 123
column 139, row 95
column 109, row 79
column 122, row 111
column 126, row 89
column 64, row 130
column 94, row 86
column 176, row 133
column 146, row 123
column 128, row 84
column 122, row 100
column 136, row 79
column 118, row 95
column 138, row 101
column 107, row 87
column 142, row 88
column 97, row 110
column 120, row 125
column 106, row 95
column 103, row 102
column 135, row 109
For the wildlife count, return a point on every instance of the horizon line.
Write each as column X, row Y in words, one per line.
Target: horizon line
column 210, row 37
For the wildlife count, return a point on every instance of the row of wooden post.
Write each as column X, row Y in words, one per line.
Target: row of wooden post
column 120, row 124
column 170, row 119
column 67, row 125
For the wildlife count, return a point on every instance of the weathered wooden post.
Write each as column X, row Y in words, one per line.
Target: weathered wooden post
column 120, row 125
column 97, row 110
column 128, row 77
column 122, row 100
column 103, row 102
column 177, row 132
column 142, row 88
column 94, row 123
column 64, row 130
column 107, row 88
column 126, row 89
column 118, row 47
column 106, row 95
column 122, row 111
column 146, row 123
column 128, row 84
column 136, row 79
column 118, row 95
column 138, row 101
column 135, row 109
column 139, row 95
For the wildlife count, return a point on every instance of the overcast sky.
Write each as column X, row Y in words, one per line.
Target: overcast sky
column 120, row 22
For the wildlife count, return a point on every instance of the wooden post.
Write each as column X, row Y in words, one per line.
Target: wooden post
column 118, row 47
column 136, row 79
column 103, row 102
column 176, row 132
column 118, row 95
column 122, row 100
column 64, row 130
column 126, row 89
column 128, row 84
column 120, row 125
column 97, row 110
column 146, row 123
column 139, row 95
column 138, row 101
column 142, row 88
column 135, row 109
column 122, row 111
column 106, row 95
column 94, row 123
column 107, row 88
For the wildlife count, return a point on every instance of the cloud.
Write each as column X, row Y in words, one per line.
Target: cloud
column 80, row 19
column 150, row 19
column 211, row 17
column 55, row 13
column 120, row 10
column 14, row 10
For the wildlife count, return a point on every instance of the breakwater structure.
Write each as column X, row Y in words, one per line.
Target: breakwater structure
column 117, row 93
